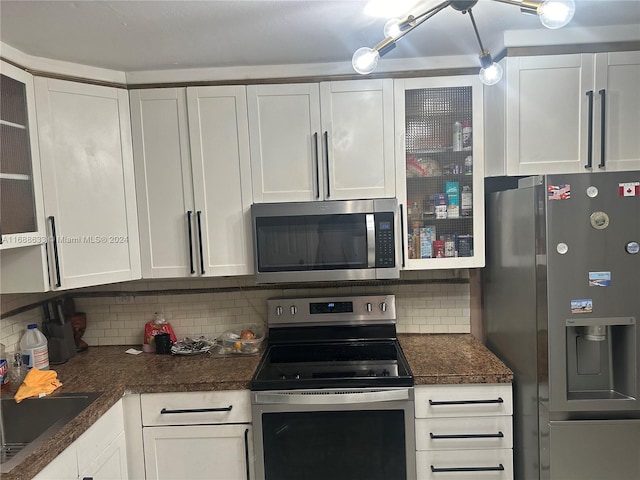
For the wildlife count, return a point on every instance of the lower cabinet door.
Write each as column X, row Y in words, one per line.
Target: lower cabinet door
column 214, row 452
column 110, row 464
column 465, row 464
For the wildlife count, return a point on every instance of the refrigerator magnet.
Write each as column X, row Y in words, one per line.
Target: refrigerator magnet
column 599, row 220
column 599, row 279
column 632, row 247
column 559, row 192
column 583, row 305
column 592, row 192
column 629, row 189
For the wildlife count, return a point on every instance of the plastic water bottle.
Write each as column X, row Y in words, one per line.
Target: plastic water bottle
column 33, row 345
column 457, row 137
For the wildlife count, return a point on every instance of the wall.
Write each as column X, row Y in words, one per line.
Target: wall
column 427, row 301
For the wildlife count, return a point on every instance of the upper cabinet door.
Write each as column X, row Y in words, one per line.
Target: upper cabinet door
column 547, row 115
column 327, row 141
column 218, row 130
column 357, row 134
column 284, row 121
column 21, row 215
column 163, row 182
column 440, row 171
column 617, row 123
column 88, row 182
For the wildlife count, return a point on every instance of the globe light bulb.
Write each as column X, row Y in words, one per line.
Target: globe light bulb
column 491, row 74
column 365, row 60
column 556, row 13
column 392, row 28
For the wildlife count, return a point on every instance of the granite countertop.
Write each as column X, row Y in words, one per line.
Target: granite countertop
column 434, row 359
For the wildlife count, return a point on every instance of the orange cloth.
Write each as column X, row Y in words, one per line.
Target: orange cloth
column 37, row 382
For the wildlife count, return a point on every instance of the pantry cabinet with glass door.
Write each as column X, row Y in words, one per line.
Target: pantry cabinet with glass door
column 22, row 225
column 440, row 170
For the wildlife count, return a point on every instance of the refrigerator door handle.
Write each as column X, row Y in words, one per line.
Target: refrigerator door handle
column 603, row 116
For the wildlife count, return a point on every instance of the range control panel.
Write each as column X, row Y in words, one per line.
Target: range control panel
column 331, row 310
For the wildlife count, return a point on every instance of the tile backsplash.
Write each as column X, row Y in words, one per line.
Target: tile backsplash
column 427, row 302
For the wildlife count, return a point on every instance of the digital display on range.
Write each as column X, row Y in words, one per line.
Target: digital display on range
column 385, row 225
column 331, row 307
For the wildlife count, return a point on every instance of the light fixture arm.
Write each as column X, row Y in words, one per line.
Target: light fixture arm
column 526, row 6
column 416, row 21
column 475, row 29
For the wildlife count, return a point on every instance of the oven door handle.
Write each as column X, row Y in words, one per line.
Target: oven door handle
column 336, row 397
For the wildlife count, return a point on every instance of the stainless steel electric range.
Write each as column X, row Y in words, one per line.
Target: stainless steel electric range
column 332, row 396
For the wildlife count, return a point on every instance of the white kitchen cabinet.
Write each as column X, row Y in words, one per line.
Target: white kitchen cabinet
column 198, row 435
column 464, row 431
column 22, row 225
column 440, row 182
column 191, row 153
column 87, row 175
column 99, row 453
column 565, row 114
column 327, row 141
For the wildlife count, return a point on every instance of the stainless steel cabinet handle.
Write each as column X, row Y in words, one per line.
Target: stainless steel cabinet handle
column 165, row 411
column 590, row 132
column 499, row 468
column 55, row 250
column 315, row 149
column 465, row 402
column 603, row 118
column 198, row 217
column 465, row 435
column 326, row 161
column 189, row 213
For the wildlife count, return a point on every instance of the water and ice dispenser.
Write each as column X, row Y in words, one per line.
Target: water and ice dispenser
column 601, row 358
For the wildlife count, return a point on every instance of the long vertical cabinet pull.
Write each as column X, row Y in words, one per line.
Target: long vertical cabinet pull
column 189, row 213
column 403, row 235
column 246, row 452
column 590, row 132
column 55, row 250
column 603, row 116
column 326, row 161
column 198, row 218
column 315, row 149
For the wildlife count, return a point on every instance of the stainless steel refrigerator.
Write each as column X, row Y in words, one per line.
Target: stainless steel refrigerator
column 561, row 295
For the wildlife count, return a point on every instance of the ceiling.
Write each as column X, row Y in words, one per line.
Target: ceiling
column 156, row 35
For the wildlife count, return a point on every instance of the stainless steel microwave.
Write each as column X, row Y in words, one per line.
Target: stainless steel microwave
column 326, row 241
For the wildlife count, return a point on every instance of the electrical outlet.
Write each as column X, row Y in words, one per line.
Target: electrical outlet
column 124, row 299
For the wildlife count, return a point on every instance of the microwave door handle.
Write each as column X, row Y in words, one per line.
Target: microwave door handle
column 371, row 240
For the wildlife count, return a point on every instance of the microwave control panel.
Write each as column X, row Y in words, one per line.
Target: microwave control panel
column 385, row 240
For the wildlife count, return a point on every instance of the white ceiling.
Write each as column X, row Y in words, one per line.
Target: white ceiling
column 155, row 35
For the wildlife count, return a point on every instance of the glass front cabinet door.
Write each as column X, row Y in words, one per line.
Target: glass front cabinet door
column 21, row 220
column 440, row 171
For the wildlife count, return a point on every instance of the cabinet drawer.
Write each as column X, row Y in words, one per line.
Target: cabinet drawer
column 464, row 433
column 196, row 408
column 465, row 464
column 463, row 400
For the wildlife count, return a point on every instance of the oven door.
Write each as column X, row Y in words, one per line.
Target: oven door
column 334, row 434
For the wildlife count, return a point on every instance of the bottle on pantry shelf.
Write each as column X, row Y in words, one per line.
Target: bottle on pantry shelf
column 33, row 346
column 457, row 137
column 466, row 136
column 466, row 201
column 4, row 368
column 468, row 165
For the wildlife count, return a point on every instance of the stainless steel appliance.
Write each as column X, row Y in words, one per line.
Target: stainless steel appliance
column 562, row 305
column 332, row 397
column 325, row 241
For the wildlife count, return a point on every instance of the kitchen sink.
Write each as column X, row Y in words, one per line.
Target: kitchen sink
column 26, row 425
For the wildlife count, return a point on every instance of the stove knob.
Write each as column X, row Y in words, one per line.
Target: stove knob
column 383, row 306
column 293, row 309
column 283, row 377
column 369, row 307
column 297, row 376
column 385, row 373
column 279, row 310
